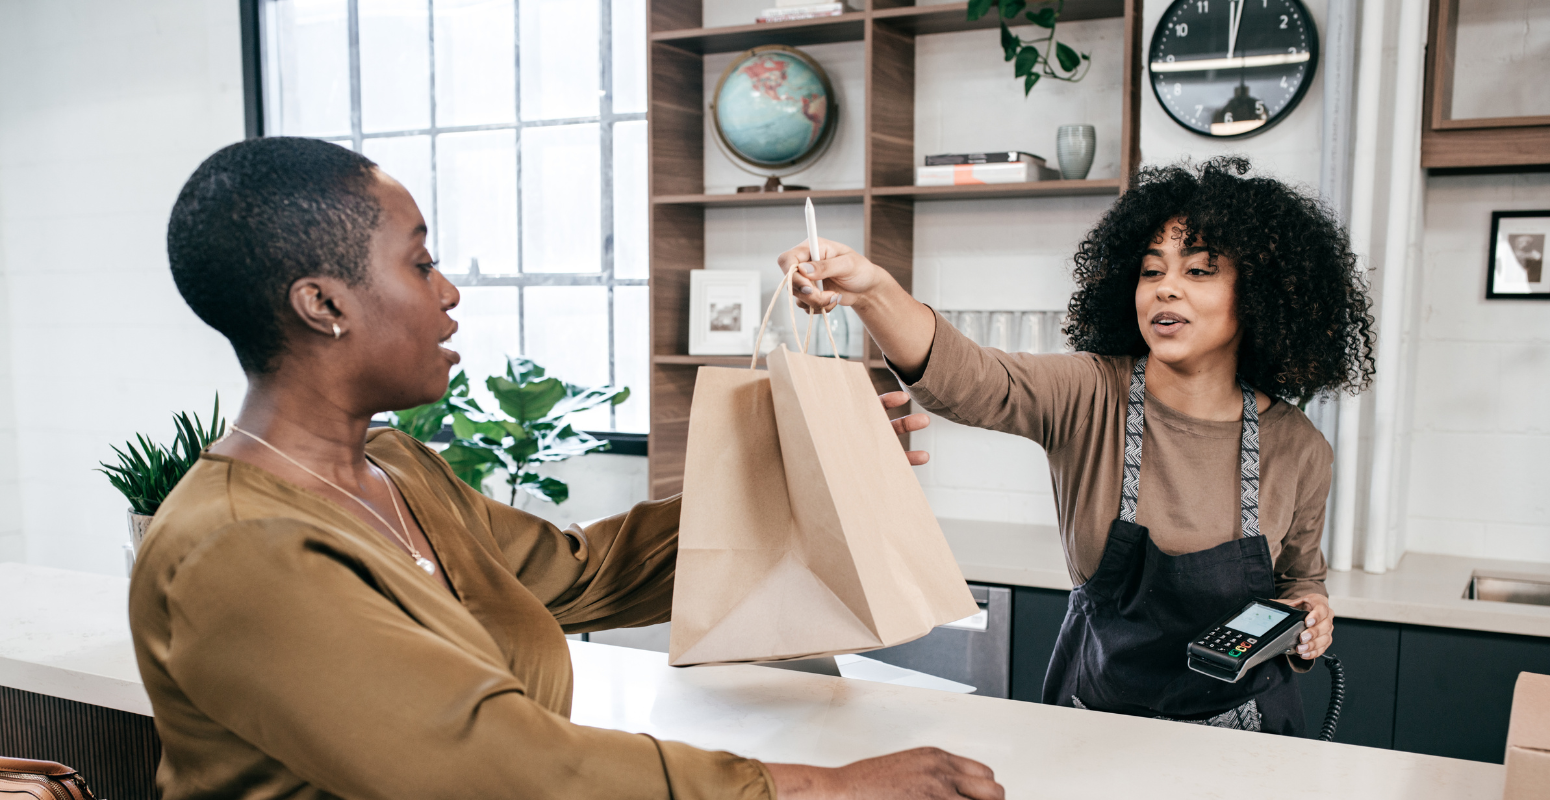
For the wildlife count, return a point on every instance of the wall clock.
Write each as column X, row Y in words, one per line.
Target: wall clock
column 1231, row 68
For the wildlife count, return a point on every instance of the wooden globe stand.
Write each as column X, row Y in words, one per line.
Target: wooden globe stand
column 774, row 185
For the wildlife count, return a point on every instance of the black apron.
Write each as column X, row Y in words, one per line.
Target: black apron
column 1122, row 645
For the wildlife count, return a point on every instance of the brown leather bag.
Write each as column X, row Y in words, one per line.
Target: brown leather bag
column 22, row 778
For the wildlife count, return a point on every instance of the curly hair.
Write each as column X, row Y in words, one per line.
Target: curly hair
column 1302, row 301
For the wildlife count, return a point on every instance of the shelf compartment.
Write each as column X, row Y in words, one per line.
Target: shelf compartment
column 1099, row 186
column 954, row 17
column 747, row 199
column 849, row 27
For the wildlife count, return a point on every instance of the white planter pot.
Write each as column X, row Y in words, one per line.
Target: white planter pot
column 138, row 524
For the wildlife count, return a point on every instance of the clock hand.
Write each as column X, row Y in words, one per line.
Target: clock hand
column 1234, row 15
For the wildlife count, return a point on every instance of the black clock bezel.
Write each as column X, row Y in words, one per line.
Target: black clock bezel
column 1291, row 105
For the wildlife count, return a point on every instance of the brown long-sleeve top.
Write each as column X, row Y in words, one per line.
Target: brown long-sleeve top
column 1073, row 405
column 289, row 650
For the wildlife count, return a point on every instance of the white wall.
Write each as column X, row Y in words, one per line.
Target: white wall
column 105, row 109
column 1478, row 472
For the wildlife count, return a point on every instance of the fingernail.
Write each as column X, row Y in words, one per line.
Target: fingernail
column 808, row 290
column 807, row 269
column 836, row 300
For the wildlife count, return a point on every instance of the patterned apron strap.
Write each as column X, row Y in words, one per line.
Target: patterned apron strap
column 1248, row 462
column 1135, row 425
column 1135, row 428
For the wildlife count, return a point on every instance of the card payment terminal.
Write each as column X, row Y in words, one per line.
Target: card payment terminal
column 1255, row 633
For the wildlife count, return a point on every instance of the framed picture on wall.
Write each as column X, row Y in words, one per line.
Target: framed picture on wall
column 1517, row 268
column 723, row 311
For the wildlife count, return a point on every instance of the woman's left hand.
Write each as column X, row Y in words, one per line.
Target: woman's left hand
column 1321, row 626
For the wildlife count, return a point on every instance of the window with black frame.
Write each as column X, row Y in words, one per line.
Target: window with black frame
column 519, row 128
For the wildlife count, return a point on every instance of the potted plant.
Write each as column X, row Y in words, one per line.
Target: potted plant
column 147, row 471
column 527, row 429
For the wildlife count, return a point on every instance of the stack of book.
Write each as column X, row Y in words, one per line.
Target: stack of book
column 1006, row 166
column 788, row 10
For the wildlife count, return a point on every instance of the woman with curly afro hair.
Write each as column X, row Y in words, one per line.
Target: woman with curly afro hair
column 1209, row 304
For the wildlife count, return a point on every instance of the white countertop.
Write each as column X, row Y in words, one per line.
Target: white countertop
column 66, row 634
column 1423, row 590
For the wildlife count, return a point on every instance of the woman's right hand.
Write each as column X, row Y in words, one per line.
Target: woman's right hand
column 846, row 275
column 925, row 773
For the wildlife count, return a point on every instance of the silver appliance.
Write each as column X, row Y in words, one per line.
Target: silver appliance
column 976, row 650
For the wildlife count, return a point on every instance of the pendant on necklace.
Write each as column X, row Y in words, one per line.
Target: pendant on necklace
column 426, row 564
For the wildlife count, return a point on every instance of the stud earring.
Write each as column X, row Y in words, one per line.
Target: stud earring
column 337, row 332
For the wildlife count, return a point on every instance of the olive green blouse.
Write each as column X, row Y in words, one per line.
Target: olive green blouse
column 290, row 650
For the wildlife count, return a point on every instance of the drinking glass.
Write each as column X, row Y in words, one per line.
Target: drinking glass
column 972, row 325
column 1030, row 332
column 1003, row 330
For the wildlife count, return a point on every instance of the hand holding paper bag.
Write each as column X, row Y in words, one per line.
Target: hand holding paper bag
column 804, row 531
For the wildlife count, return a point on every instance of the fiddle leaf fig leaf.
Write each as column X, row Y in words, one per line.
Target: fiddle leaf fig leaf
column 462, row 426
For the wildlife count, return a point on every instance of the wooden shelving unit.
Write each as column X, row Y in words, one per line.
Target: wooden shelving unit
column 886, row 29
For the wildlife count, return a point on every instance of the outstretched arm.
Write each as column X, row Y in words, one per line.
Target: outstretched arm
column 902, row 326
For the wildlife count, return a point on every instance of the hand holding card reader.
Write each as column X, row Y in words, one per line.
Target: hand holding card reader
column 1249, row 636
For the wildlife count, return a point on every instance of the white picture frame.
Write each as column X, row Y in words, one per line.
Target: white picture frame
column 724, row 312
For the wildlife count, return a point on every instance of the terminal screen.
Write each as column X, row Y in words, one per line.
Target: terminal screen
column 1256, row 619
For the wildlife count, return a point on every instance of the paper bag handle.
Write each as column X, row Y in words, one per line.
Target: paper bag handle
column 791, row 308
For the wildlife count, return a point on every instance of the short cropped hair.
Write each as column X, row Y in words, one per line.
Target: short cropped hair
column 258, row 216
column 1302, row 299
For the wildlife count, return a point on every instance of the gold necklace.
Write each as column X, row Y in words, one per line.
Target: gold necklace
column 421, row 561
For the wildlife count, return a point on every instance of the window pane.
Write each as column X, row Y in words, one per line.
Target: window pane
column 476, row 201
column 561, row 199
column 489, row 329
column 395, row 65
column 476, row 62
column 629, row 34
column 408, row 159
column 631, row 254
column 567, row 333
column 631, row 357
column 309, row 67
column 559, row 59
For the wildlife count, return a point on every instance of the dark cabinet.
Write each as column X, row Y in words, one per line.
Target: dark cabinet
column 1036, row 618
column 1438, row 691
column 1369, row 652
column 1454, row 693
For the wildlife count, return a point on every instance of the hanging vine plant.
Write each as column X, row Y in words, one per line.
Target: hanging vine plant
column 1042, row 57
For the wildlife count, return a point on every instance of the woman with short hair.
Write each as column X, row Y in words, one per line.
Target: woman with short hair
column 322, row 610
column 1208, row 307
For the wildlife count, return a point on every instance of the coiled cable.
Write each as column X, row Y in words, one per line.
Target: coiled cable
column 1336, row 697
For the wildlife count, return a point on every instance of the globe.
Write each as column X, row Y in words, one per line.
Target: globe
column 774, row 107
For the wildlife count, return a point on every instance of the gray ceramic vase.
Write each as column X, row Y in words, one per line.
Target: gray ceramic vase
column 1074, row 149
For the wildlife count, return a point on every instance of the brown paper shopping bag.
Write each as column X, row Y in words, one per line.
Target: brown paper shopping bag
column 804, row 531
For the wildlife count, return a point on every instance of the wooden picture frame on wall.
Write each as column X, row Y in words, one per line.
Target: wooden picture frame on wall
column 1515, row 268
column 1482, row 143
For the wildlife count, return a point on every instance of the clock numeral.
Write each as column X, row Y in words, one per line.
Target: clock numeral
column 1198, row 109
column 1227, row 117
column 1178, row 89
column 1283, row 82
column 1169, row 58
column 1283, row 22
column 1182, row 28
column 1291, row 49
column 1259, row 109
column 1202, row 6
